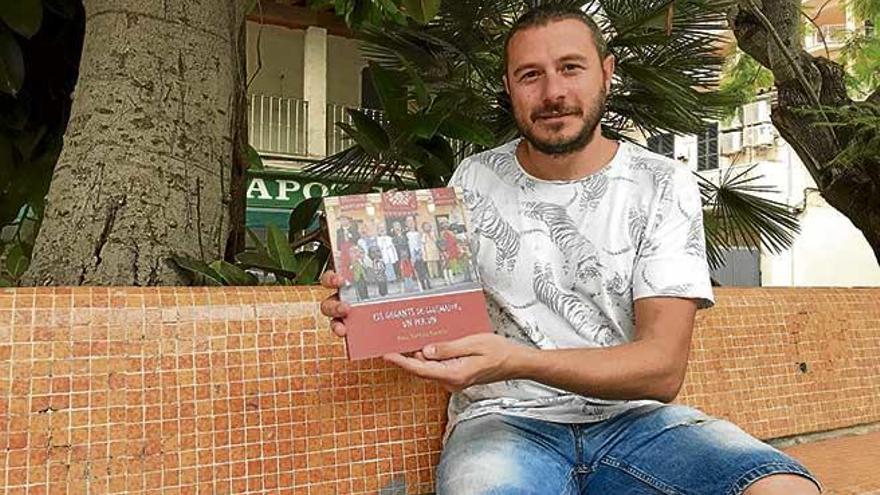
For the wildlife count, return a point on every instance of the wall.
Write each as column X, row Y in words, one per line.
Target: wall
column 245, row 390
column 281, row 51
column 829, row 251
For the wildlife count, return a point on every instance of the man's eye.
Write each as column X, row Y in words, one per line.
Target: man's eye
column 570, row 67
column 529, row 75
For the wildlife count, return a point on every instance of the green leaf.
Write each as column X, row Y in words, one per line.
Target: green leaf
column 312, row 263
column 7, row 159
column 392, row 93
column 457, row 126
column 233, row 275
column 29, row 139
column 6, row 282
column 302, row 216
column 252, row 259
column 279, row 249
column 11, row 63
column 422, row 11
column 258, row 243
column 17, row 261
column 22, row 16
column 198, row 268
column 63, row 8
column 255, row 162
column 371, row 135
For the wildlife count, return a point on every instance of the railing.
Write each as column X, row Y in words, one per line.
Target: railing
column 337, row 140
column 834, row 35
column 279, row 126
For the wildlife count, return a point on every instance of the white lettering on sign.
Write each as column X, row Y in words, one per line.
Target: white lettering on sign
column 307, row 190
column 286, row 186
column 258, row 186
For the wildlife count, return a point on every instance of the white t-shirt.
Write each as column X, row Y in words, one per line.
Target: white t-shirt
column 562, row 261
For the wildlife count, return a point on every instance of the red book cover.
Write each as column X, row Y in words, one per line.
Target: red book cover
column 407, row 270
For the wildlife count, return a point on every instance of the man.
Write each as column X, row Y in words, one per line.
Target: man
column 592, row 257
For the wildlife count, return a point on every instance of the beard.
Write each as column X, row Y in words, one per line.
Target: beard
column 590, row 118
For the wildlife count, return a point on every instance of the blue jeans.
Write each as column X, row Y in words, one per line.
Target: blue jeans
column 654, row 449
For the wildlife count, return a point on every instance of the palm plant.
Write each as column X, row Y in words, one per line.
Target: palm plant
column 441, row 92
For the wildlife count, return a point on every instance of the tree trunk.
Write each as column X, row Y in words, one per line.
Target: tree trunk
column 152, row 162
column 768, row 30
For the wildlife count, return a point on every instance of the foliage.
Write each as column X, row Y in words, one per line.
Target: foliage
column 742, row 79
column 275, row 261
column 737, row 212
column 861, row 53
column 862, row 122
column 360, row 13
column 425, row 75
column 40, row 43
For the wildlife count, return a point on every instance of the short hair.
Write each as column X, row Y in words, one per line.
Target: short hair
column 544, row 14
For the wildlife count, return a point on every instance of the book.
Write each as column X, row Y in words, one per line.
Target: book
column 407, row 270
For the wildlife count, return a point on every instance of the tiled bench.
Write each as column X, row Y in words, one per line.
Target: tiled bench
column 245, row 390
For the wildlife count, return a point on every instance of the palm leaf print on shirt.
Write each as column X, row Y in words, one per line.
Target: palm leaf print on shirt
column 567, row 238
column 487, row 222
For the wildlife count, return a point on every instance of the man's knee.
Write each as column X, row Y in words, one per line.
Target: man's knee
column 485, row 474
column 783, row 484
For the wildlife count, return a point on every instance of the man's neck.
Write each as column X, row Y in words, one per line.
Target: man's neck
column 571, row 166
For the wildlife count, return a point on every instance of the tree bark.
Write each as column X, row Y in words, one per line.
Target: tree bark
column 152, row 161
column 768, row 31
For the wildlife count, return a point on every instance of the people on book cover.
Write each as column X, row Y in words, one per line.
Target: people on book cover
column 358, row 268
column 346, row 235
column 377, row 272
column 389, row 252
column 417, row 253
column 448, row 246
column 431, row 251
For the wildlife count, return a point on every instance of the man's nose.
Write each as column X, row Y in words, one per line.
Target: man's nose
column 554, row 88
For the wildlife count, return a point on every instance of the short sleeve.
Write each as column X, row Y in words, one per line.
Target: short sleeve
column 671, row 258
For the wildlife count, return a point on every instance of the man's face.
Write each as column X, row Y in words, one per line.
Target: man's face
column 557, row 85
column 381, row 228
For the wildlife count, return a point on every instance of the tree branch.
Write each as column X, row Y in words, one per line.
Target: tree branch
column 802, row 78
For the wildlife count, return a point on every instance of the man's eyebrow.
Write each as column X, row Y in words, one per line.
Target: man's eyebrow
column 573, row 57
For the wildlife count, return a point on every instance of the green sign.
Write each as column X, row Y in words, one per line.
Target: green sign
column 273, row 193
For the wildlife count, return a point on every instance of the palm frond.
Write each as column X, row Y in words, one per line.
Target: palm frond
column 737, row 212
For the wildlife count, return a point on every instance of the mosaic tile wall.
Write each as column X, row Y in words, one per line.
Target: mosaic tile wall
column 245, row 390
column 785, row 361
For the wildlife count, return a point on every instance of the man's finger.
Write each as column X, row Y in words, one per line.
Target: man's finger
column 333, row 308
column 330, row 280
column 425, row 369
column 466, row 346
column 338, row 327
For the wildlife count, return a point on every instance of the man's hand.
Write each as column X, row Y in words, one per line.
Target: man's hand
column 472, row 360
column 332, row 307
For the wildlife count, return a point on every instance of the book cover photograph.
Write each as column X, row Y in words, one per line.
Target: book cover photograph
column 407, row 270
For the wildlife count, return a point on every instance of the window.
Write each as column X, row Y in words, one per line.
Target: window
column 707, row 148
column 663, row 144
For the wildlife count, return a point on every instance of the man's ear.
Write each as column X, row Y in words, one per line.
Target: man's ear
column 506, row 86
column 608, row 66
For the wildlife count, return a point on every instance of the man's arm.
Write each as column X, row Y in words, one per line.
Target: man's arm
column 651, row 367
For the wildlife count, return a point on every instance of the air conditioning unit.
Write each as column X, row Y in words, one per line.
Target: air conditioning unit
column 731, row 142
column 757, row 112
column 760, row 135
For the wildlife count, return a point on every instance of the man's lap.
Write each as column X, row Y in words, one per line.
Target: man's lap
column 655, row 449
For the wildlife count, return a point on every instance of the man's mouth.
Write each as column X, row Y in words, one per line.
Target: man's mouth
column 554, row 115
